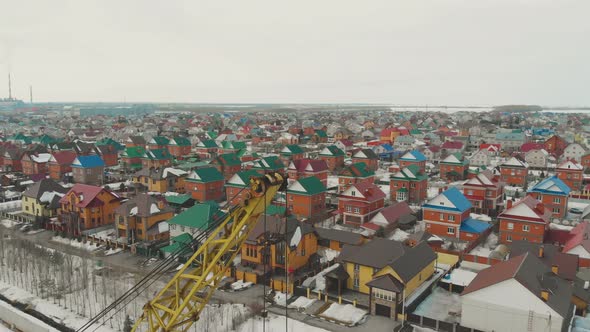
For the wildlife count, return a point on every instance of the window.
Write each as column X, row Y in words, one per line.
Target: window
column 510, row 225
column 357, row 267
column 555, row 210
column 451, row 217
column 353, row 193
column 348, row 208
column 556, row 200
column 526, row 228
column 470, row 192
column 508, row 238
column 302, row 251
column 401, row 196
column 412, row 185
column 442, row 216
column 450, row 230
column 357, row 210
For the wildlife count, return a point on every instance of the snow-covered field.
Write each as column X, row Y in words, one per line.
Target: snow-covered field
column 74, row 243
column 275, row 323
column 441, row 305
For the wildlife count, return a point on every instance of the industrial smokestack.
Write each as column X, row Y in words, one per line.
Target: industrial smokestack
column 9, row 87
column 31, row 93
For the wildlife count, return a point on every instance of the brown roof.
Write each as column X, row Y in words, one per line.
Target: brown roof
column 64, row 157
column 142, row 203
column 393, row 212
column 386, row 282
column 567, row 264
column 317, row 165
column 339, row 235
column 370, row 191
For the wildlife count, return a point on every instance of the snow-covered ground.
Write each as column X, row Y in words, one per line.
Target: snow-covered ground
column 74, row 243
column 275, row 323
column 399, row 235
column 441, row 305
column 319, row 280
column 459, row 277
column 302, row 302
column 482, row 217
column 346, row 313
column 281, row 298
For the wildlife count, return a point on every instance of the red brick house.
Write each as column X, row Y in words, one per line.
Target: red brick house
column 12, row 160
column 484, row 193
column 306, row 198
column 227, row 164
column 156, row 158
column 554, row 194
column 205, row 184
column 360, row 202
column 527, row 220
column 586, row 160
column 454, row 167
column 207, row 149
column 514, row 172
column 236, row 188
column 179, row 146
column 60, row 163
column 355, row 173
column 291, row 152
column 302, row 168
column 108, row 153
column 368, row 157
column 410, row 184
column 447, row 215
column 413, row 157
column 158, row 142
column 571, row 173
column 134, row 141
column 333, row 156
column 555, row 145
column 269, row 164
column 131, row 157
column 35, row 163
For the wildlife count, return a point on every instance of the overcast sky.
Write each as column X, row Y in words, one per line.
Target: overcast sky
column 329, row 51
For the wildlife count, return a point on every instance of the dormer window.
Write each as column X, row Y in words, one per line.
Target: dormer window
column 353, row 193
column 442, row 203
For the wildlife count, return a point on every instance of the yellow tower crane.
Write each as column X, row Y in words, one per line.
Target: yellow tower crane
column 179, row 304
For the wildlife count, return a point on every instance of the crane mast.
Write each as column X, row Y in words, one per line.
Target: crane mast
column 179, row 304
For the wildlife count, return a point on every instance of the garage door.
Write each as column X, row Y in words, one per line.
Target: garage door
column 382, row 310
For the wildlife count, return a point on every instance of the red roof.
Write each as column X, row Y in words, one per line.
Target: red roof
column 316, row 165
column 393, row 212
column 371, row 226
column 387, row 131
column 452, row 145
column 346, row 142
column 370, row 191
column 64, row 157
column 578, row 236
column 543, row 214
column 495, row 274
column 88, row 193
column 526, row 147
column 487, row 145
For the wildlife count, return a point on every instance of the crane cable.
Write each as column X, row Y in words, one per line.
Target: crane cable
column 134, row 291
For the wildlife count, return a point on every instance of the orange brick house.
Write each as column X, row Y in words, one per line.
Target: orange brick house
column 555, row 145
column 60, row 163
column 290, row 153
column 143, row 218
column 447, row 215
column 158, row 142
column 413, row 157
column 571, row 173
column 333, row 156
column 527, row 220
column 12, row 160
column 514, row 172
column 156, row 158
column 454, row 167
column 306, row 198
column 179, row 146
column 586, row 161
column 355, row 173
column 205, row 184
column 161, row 180
column 368, row 157
column 85, row 207
column 207, row 149
column 360, row 202
column 302, row 168
column 236, row 187
column 484, row 193
column 108, row 153
column 227, row 164
column 553, row 193
column 409, row 184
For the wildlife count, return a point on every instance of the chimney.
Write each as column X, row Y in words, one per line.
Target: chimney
column 545, row 295
column 554, row 269
column 509, row 204
column 541, row 251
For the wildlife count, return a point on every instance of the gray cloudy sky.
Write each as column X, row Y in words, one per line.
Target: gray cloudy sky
column 403, row 52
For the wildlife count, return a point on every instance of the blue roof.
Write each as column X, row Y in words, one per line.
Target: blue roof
column 471, row 225
column 456, row 197
column 89, row 161
column 551, row 185
column 417, row 155
column 387, row 147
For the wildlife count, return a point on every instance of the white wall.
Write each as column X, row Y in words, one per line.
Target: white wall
column 505, row 307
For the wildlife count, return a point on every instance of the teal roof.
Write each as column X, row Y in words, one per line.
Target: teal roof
column 230, row 159
column 181, row 241
column 292, row 149
column 238, row 145
column 180, row 141
column 357, row 170
column 157, row 154
column 273, row 210
column 134, row 152
column 208, row 143
column 411, row 173
column 160, row 140
column 307, row 186
column 271, row 163
column 178, row 199
column 334, row 151
column 245, row 177
column 321, row 133
column 198, row 216
column 552, row 186
column 205, row 175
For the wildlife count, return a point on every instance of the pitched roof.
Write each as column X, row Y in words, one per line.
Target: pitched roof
column 455, row 158
column 331, row 150
column 551, row 185
column 208, row 143
column 386, row 282
column 179, row 141
column 46, row 185
column 159, row 140
column 451, row 199
column 307, row 186
column 275, row 225
column 365, row 154
column 528, row 209
column 134, row 152
column 87, row 193
column 411, row 173
column 229, row 159
column 514, row 163
column 205, row 174
column 413, row 155
column 138, row 140
column 532, row 274
column 291, row 149
column 198, row 216
column 142, row 205
column 367, row 190
column 90, row 161
column 157, row 154
column 392, row 213
column 237, row 145
column 570, row 165
column 567, row 264
column 242, row 178
column 269, row 163
column 357, row 170
column 308, row 165
column 578, row 236
column 471, row 225
column 344, row 237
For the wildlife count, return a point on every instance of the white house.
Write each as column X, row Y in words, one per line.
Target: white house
column 480, row 158
column 537, row 158
column 573, row 151
column 520, row 294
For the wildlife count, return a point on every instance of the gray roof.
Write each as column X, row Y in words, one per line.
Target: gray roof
column 275, row 226
column 143, row 203
column 46, row 185
column 386, row 282
column 339, row 235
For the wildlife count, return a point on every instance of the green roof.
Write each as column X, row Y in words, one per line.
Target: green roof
column 358, row 170
column 245, row 177
column 273, row 210
column 233, row 145
column 157, row 154
column 110, row 141
column 212, row 134
column 197, row 216
column 334, row 150
column 180, row 141
column 205, row 175
column 230, row 159
column 208, row 143
column 307, row 186
column 413, row 170
column 160, row 140
column 178, row 199
column 272, row 163
column 245, row 152
column 292, row 149
column 134, row 152
column 178, row 242
column 321, row 133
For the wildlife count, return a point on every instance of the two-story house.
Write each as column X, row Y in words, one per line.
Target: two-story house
column 360, row 202
column 454, row 167
column 413, row 157
column 291, row 152
column 131, row 157
column 157, row 158
column 41, row 200
column 409, row 184
column 205, row 184
column 35, row 163
column 302, row 168
column 143, row 218
column 161, row 180
column 355, row 173
column 227, row 164
column 108, row 153
column 527, row 220
column 60, row 164
column 237, row 186
column 88, row 170
column 207, row 149
column 333, row 156
column 270, row 164
column 306, row 198
column 179, row 146
column 514, row 172
column 158, row 142
column 553, row 193
column 571, row 173
column 484, row 193
column 368, row 157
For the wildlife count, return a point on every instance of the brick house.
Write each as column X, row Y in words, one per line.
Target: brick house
column 302, row 168
column 143, row 218
column 368, row 157
column 205, row 184
column 108, row 153
column 134, row 141
column 553, row 193
column 236, row 187
column 268, row 164
column 85, row 207
column 290, row 153
column 514, row 172
column 161, row 180
column 306, row 198
column 360, row 202
column 157, row 158
column 571, row 173
column 484, row 193
column 231, row 146
column 454, row 167
column 527, row 220
column 131, row 157
column 179, row 146
column 555, row 145
column 355, row 173
column 207, row 149
column 88, row 170
column 413, row 157
column 227, row 164
column 60, row 163
column 409, row 184
column 12, row 160
column 333, row 156
column 35, row 163
column 158, row 142
column 447, row 215
column 319, row 136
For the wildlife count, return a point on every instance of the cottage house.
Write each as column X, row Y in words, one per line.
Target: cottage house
column 88, row 170
column 205, row 184
column 333, row 156
column 143, row 218
column 360, row 202
column 527, row 220
column 553, row 193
